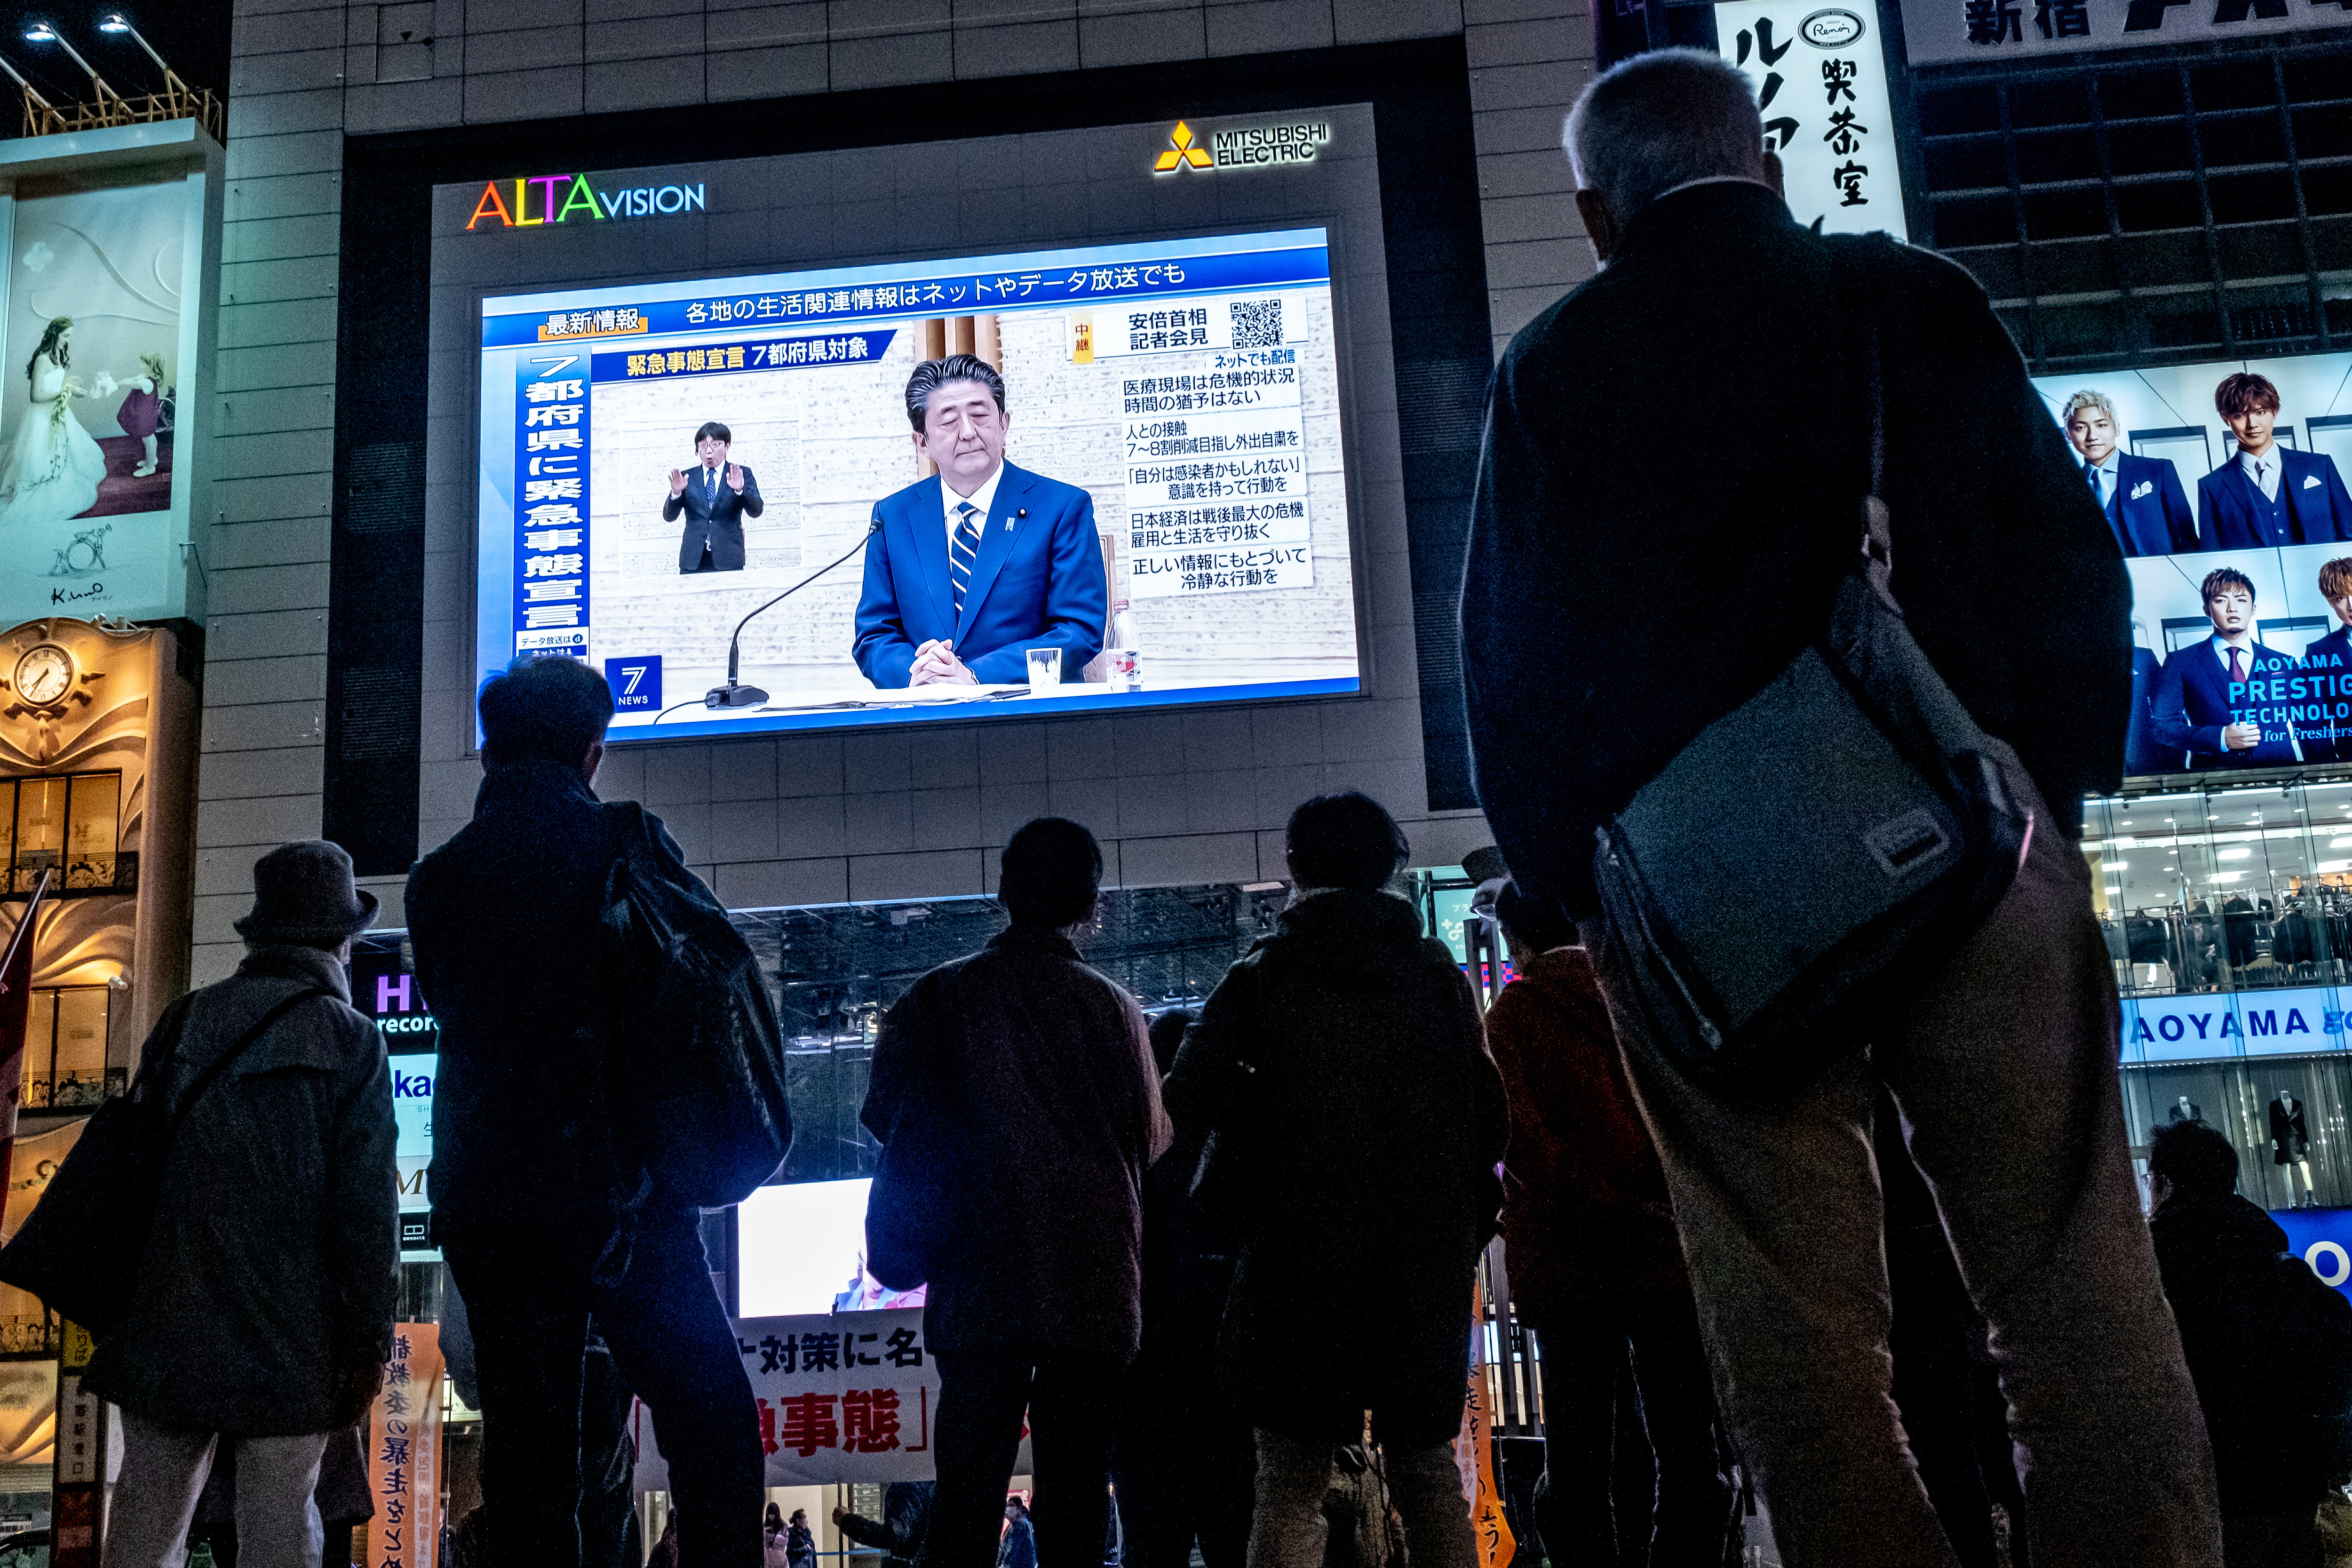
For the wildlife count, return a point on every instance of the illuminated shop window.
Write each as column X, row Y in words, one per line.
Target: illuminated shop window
column 69, row 823
column 65, row 1049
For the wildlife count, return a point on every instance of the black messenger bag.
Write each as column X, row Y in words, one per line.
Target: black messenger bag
column 1767, row 888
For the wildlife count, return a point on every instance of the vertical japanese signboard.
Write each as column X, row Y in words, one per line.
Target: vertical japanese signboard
column 1821, row 77
column 405, row 1453
column 78, row 1490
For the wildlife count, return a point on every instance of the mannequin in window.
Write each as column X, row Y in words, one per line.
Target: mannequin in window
column 2182, row 1110
column 2291, row 1147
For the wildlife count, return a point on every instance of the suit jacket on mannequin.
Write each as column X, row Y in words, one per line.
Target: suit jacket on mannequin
column 2195, row 1114
column 2291, row 1141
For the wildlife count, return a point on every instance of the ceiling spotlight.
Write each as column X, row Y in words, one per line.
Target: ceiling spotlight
column 41, row 33
column 113, row 22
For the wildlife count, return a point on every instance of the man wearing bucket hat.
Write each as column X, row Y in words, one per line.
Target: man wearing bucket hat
column 263, row 1310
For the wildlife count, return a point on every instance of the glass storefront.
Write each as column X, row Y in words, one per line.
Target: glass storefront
column 2228, row 916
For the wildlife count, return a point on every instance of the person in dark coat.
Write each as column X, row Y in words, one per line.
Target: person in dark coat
column 1355, row 1122
column 1596, row 1266
column 906, row 1519
column 2269, row 1345
column 1019, row 1547
column 1582, row 682
column 1025, row 1075
column 503, row 918
column 1187, row 1461
column 263, row 1310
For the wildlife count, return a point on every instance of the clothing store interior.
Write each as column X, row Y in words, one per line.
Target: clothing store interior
column 2243, row 894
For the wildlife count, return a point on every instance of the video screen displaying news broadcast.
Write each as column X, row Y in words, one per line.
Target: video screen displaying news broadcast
column 1163, row 517
column 2225, row 486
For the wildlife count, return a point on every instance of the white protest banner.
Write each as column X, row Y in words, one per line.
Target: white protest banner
column 843, row 1398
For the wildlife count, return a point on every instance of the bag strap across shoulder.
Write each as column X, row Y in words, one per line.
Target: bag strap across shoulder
column 1877, row 523
column 210, row 1074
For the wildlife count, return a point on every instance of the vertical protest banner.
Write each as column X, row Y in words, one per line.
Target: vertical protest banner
column 1474, row 1453
column 405, row 1453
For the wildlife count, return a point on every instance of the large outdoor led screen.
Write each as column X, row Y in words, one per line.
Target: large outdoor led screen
column 1170, row 525
column 2236, row 530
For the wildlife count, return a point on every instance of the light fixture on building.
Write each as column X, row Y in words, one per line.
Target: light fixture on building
column 42, row 33
column 116, row 22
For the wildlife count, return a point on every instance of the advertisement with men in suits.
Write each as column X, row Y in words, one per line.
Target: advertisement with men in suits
column 2224, row 487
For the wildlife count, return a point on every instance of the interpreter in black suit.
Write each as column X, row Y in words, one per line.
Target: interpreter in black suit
column 715, row 496
column 1582, row 685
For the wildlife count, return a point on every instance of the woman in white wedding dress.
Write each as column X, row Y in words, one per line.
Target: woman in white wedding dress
column 53, row 467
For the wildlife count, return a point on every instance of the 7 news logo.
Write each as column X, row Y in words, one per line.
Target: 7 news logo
column 637, row 683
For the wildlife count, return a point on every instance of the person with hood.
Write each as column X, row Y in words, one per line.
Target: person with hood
column 263, row 1310
column 1354, row 1121
column 2269, row 1346
column 1596, row 1264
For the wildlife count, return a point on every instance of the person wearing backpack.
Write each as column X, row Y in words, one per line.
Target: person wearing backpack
column 2269, row 1346
column 262, row 1313
column 542, row 1205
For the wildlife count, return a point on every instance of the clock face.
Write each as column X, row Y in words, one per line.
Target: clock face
column 43, row 674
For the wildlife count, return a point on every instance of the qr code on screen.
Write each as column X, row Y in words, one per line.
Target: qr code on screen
column 1257, row 323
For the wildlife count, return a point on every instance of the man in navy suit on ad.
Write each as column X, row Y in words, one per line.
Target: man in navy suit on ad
column 2224, row 700
column 2266, row 495
column 2329, row 661
column 2142, row 496
column 716, row 497
column 968, row 569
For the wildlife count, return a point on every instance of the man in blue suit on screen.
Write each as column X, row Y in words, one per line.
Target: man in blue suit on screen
column 2225, row 700
column 2142, row 496
column 2266, row 495
column 969, row 569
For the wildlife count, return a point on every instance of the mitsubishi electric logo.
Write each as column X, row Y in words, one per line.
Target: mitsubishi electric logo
column 1249, row 147
column 1183, row 152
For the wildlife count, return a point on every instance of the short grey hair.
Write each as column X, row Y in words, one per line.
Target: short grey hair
column 1662, row 119
column 2090, row 399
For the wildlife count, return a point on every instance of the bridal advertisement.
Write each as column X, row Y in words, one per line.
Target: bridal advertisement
column 96, row 395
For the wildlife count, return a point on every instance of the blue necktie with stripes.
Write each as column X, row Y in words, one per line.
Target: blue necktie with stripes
column 963, row 551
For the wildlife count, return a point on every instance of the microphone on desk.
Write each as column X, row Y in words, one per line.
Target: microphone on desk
column 733, row 695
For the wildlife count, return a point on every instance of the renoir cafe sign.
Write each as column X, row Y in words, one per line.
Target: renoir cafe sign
column 2212, row 1025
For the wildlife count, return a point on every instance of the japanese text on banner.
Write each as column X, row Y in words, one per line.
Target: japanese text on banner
column 550, row 506
column 850, row 1396
column 405, row 1453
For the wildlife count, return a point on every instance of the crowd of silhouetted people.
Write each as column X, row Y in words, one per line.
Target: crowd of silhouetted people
column 1904, row 1298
